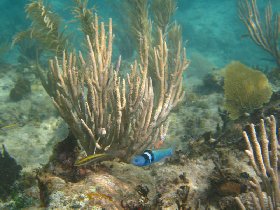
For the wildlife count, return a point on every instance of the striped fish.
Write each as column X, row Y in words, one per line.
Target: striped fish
column 90, row 159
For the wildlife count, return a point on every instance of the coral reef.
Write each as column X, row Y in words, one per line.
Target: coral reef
column 264, row 160
column 107, row 114
column 122, row 108
column 116, row 185
column 245, row 89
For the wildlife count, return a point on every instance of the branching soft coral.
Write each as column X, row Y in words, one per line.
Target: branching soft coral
column 110, row 114
column 264, row 31
column 45, row 28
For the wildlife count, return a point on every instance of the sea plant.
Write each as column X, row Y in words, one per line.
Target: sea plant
column 162, row 12
column 45, row 28
column 263, row 30
column 245, row 89
column 107, row 113
column 139, row 22
column 146, row 19
column 85, row 16
column 47, row 36
column 263, row 153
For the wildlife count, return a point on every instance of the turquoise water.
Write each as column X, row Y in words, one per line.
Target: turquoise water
column 212, row 29
column 43, row 165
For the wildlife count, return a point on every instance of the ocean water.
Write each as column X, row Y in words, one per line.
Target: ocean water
column 31, row 127
column 212, row 29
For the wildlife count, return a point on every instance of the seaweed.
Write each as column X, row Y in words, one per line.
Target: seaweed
column 163, row 10
column 85, row 16
column 45, row 28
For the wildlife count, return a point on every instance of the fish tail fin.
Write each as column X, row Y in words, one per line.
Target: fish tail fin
column 163, row 153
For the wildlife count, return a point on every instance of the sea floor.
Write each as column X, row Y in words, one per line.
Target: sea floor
column 31, row 127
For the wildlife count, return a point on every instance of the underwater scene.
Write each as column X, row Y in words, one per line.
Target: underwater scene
column 140, row 104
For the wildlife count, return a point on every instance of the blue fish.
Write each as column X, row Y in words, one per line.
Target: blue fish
column 151, row 156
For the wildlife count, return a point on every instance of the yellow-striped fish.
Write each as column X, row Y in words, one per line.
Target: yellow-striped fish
column 9, row 126
column 90, row 159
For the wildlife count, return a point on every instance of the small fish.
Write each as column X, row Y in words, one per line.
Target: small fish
column 90, row 159
column 10, row 126
column 151, row 156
